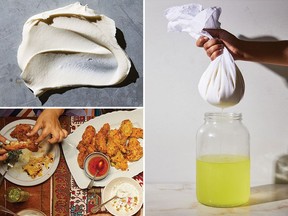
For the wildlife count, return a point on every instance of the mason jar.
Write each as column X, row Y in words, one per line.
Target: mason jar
column 223, row 161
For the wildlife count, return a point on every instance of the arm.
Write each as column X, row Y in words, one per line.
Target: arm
column 48, row 121
column 270, row 52
column 274, row 52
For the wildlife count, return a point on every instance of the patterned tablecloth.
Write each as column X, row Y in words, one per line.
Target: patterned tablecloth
column 66, row 191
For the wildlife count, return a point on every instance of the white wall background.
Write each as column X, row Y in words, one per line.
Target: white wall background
column 174, row 108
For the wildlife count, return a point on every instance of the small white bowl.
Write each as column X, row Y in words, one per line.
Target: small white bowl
column 30, row 212
column 132, row 188
column 90, row 158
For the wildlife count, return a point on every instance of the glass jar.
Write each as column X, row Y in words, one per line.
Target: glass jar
column 15, row 194
column 223, row 161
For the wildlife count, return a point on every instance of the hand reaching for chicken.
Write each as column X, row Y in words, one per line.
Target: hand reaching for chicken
column 48, row 121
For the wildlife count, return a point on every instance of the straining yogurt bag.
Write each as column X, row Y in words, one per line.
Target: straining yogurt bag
column 222, row 83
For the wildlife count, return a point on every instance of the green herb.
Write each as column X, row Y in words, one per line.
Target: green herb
column 12, row 155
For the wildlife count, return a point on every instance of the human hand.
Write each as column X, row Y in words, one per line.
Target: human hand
column 3, row 154
column 214, row 47
column 48, row 121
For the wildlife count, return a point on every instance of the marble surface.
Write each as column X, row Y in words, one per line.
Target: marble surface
column 180, row 199
column 128, row 17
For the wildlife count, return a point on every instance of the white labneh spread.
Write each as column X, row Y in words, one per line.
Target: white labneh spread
column 129, row 197
column 71, row 46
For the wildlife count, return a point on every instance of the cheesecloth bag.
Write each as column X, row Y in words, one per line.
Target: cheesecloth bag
column 222, row 83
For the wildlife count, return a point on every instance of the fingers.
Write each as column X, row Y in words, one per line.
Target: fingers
column 58, row 136
column 3, row 157
column 3, row 139
column 3, row 154
column 65, row 133
column 213, row 47
column 35, row 129
column 201, row 41
column 215, row 54
column 42, row 136
column 2, row 151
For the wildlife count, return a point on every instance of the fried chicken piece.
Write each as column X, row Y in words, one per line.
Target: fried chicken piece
column 16, row 145
column 112, row 133
column 80, row 159
column 80, row 145
column 137, row 133
column 112, row 148
column 120, row 145
column 134, row 150
column 23, row 140
column 20, row 133
column 119, row 161
column 90, row 149
column 105, row 130
column 101, row 138
column 126, row 128
column 120, row 140
column 86, row 145
column 88, row 135
column 101, row 142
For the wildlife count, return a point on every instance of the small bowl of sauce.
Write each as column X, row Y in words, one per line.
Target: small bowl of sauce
column 98, row 163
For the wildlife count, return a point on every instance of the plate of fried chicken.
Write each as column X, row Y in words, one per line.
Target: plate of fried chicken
column 34, row 165
column 118, row 135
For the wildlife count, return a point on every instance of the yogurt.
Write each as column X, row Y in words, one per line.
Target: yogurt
column 30, row 212
column 128, row 197
column 70, row 46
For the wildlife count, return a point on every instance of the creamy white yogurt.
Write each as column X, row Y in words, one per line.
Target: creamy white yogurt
column 129, row 197
column 70, row 46
column 30, row 212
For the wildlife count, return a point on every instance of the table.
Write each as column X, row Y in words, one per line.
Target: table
column 59, row 195
column 180, row 199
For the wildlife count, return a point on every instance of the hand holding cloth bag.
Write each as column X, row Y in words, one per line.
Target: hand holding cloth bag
column 222, row 83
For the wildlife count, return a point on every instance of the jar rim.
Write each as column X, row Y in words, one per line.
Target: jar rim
column 227, row 115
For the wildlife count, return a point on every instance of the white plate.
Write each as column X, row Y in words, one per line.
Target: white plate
column 31, row 212
column 16, row 174
column 109, row 191
column 114, row 119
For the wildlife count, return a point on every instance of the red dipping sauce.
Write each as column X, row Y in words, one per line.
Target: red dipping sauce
column 97, row 161
column 93, row 163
